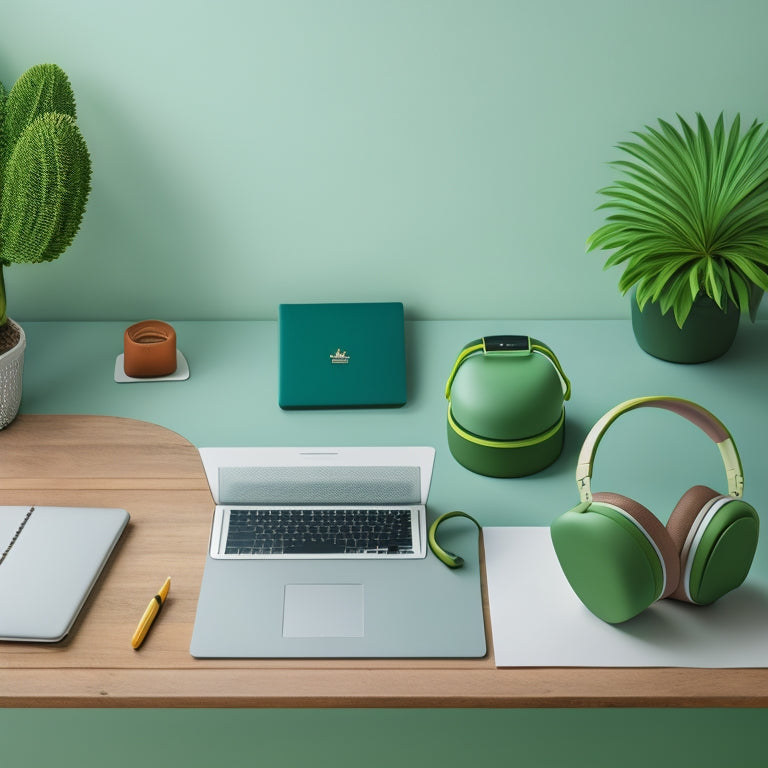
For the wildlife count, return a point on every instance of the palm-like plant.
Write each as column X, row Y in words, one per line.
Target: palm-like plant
column 690, row 215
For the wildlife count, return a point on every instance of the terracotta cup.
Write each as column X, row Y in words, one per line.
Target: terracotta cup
column 150, row 349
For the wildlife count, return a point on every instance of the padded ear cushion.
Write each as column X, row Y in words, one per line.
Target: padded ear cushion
column 685, row 512
column 682, row 520
column 714, row 558
column 654, row 528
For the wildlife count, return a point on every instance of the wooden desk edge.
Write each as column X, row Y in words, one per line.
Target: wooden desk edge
column 377, row 688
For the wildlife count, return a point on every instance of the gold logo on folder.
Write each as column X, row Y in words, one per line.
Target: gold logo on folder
column 339, row 357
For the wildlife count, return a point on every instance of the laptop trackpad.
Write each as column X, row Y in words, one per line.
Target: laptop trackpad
column 323, row 610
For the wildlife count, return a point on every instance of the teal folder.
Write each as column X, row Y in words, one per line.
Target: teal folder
column 349, row 355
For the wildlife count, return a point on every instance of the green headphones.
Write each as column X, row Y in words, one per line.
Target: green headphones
column 619, row 558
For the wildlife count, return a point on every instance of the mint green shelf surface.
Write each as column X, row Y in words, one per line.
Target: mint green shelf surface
column 231, row 399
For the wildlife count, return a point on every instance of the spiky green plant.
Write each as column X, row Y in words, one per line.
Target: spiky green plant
column 45, row 170
column 690, row 215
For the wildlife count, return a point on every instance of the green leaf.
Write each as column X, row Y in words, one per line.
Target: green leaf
column 712, row 283
column 42, row 88
column 47, row 182
column 739, row 292
column 682, row 308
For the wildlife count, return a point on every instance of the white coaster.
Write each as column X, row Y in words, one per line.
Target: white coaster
column 180, row 374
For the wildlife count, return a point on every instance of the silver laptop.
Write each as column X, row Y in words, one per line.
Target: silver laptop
column 322, row 552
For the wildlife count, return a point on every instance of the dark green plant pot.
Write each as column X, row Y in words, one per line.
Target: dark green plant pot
column 707, row 333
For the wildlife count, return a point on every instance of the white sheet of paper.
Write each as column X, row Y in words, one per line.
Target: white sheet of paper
column 537, row 620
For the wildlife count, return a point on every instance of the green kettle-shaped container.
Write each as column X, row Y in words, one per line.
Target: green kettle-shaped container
column 506, row 414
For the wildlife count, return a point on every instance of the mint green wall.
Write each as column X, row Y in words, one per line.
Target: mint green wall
column 442, row 152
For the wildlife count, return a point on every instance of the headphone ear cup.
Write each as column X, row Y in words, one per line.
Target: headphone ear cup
column 616, row 555
column 655, row 530
column 716, row 538
column 680, row 525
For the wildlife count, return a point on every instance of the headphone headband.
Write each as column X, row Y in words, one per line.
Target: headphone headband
column 690, row 411
column 520, row 345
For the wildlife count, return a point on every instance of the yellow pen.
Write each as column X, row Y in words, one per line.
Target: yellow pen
column 155, row 604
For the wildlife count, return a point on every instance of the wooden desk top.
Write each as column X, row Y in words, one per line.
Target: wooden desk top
column 158, row 477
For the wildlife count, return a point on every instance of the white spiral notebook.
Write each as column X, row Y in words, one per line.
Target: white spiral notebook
column 50, row 559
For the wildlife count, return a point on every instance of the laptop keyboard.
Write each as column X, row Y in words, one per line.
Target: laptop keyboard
column 319, row 531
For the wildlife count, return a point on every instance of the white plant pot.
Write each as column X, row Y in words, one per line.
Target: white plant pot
column 11, row 368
